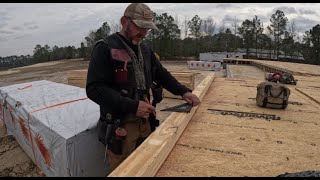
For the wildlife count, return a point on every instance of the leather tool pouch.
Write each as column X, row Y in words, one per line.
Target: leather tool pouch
column 107, row 135
column 114, row 142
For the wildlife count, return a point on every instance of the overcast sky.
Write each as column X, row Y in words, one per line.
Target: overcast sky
column 24, row 25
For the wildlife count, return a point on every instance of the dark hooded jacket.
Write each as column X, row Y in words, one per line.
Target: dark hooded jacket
column 111, row 78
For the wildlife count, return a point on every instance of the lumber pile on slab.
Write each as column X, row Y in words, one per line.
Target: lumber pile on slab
column 78, row 78
column 185, row 78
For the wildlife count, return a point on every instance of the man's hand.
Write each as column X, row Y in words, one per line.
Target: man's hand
column 191, row 98
column 144, row 109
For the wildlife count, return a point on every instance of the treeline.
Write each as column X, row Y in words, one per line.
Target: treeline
column 43, row 54
column 199, row 35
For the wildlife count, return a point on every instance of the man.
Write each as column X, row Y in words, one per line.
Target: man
column 121, row 72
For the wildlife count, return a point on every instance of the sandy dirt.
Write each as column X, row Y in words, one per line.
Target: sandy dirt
column 52, row 71
column 14, row 162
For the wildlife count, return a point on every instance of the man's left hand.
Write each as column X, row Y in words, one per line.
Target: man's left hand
column 191, row 98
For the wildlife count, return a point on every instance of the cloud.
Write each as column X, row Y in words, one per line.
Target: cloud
column 307, row 11
column 3, row 24
column 17, row 28
column 33, row 27
column 286, row 10
column 4, row 20
column 22, row 36
column 65, row 24
column 6, row 32
column 3, row 39
column 264, row 18
column 228, row 18
column 226, row 5
column 3, row 13
column 304, row 24
column 28, row 23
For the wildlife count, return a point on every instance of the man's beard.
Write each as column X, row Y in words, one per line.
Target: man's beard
column 136, row 41
column 132, row 38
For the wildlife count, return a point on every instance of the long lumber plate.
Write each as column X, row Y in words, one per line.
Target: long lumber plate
column 147, row 159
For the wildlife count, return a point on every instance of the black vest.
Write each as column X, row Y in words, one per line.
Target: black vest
column 123, row 72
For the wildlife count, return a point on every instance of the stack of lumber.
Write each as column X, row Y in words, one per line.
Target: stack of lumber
column 78, row 78
column 185, row 78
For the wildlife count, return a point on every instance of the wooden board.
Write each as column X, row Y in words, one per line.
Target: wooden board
column 78, row 78
column 308, row 81
column 224, row 145
column 312, row 93
column 185, row 78
column 304, row 69
column 297, row 68
column 149, row 156
column 167, row 94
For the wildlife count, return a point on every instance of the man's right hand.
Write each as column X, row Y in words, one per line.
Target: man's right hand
column 144, row 109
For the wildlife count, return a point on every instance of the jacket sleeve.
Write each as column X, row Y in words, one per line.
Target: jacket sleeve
column 164, row 77
column 99, row 82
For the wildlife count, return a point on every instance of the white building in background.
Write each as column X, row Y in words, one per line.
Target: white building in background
column 271, row 54
column 218, row 56
column 241, row 54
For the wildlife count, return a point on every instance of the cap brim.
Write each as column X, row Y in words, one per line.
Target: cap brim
column 145, row 24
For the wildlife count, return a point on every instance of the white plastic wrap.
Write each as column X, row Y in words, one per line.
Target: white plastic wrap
column 55, row 124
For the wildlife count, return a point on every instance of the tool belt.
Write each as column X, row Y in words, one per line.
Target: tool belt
column 107, row 134
column 114, row 142
column 108, row 124
column 107, row 128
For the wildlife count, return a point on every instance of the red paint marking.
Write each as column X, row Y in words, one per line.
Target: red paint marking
column 25, row 87
column 44, row 151
column 23, row 128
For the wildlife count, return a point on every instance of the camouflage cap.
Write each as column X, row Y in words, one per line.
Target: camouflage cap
column 141, row 15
